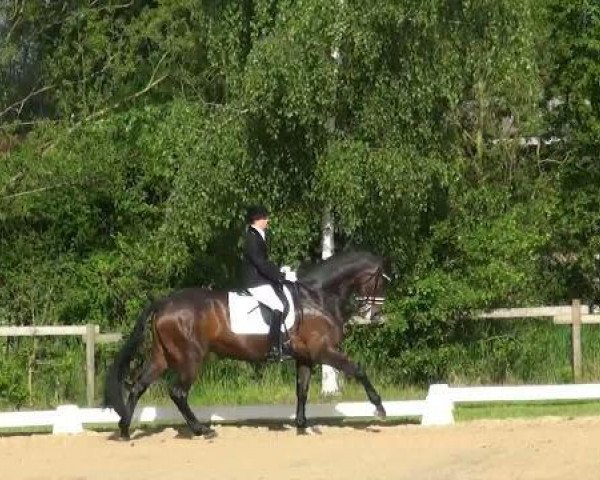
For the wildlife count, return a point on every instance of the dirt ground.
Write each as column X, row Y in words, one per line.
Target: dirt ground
column 550, row 448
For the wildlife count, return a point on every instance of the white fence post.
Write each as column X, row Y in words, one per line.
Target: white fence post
column 90, row 364
column 576, row 339
column 67, row 420
column 439, row 406
column 329, row 377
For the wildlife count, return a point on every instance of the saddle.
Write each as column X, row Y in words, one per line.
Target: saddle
column 248, row 317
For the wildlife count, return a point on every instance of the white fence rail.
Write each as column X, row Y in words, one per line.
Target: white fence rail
column 441, row 399
column 436, row 409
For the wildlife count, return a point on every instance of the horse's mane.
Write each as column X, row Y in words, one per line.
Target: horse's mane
column 335, row 266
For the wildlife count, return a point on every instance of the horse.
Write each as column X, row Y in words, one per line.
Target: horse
column 189, row 323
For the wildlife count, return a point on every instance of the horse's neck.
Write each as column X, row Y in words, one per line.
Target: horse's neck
column 327, row 302
column 334, row 296
column 341, row 285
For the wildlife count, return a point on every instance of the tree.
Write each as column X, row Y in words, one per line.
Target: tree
column 574, row 89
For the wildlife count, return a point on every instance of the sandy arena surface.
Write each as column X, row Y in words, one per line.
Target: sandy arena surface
column 550, row 448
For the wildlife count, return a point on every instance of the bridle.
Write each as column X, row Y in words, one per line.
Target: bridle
column 371, row 300
column 368, row 301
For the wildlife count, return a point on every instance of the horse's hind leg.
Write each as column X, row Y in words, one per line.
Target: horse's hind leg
column 341, row 362
column 179, row 394
column 303, row 373
column 151, row 371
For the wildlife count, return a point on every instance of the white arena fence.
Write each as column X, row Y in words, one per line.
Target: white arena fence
column 436, row 409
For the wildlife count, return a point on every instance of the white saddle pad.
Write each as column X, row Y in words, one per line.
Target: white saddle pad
column 246, row 317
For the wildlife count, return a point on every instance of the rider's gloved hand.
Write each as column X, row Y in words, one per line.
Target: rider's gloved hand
column 290, row 275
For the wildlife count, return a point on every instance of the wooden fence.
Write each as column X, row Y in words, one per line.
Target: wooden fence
column 574, row 315
column 90, row 334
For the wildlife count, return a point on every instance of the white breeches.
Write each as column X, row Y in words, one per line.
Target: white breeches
column 266, row 295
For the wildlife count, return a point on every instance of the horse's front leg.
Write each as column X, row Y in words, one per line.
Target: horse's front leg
column 341, row 362
column 303, row 373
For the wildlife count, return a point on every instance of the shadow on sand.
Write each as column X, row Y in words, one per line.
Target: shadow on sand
column 314, row 427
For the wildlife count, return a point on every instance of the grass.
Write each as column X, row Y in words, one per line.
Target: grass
column 526, row 355
column 275, row 386
column 468, row 412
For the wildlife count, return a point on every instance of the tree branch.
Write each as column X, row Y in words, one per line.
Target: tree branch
column 36, row 190
column 93, row 3
column 21, row 103
column 152, row 82
column 12, row 181
column 17, row 18
column 8, row 127
column 116, row 105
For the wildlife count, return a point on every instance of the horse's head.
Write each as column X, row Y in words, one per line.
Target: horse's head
column 357, row 273
column 369, row 288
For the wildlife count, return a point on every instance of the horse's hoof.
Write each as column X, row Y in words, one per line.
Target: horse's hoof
column 124, row 429
column 204, row 431
column 301, row 430
column 209, row 433
column 380, row 412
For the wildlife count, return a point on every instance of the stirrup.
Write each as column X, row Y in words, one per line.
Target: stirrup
column 274, row 354
column 282, row 351
column 287, row 352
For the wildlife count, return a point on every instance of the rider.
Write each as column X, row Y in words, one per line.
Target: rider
column 263, row 279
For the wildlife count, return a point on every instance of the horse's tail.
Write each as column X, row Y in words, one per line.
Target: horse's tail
column 113, row 390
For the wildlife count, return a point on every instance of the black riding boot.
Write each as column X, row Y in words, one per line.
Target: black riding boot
column 276, row 350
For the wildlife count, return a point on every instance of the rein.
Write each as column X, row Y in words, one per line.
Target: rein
column 372, row 299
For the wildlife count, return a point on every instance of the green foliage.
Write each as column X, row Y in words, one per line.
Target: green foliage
column 13, row 380
column 145, row 128
column 573, row 85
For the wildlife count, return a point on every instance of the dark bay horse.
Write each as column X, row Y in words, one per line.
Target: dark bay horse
column 190, row 323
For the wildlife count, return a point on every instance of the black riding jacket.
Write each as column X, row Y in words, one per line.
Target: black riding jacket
column 257, row 269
